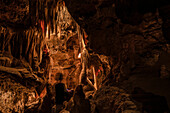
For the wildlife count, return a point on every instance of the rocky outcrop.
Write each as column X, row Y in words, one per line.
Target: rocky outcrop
column 130, row 32
column 14, row 96
column 18, row 85
column 15, row 13
column 109, row 99
column 164, row 13
column 118, row 29
column 24, row 44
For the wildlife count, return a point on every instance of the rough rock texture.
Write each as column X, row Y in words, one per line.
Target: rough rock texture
column 150, row 103
column 63, row 46
column 18, row 85
column 130, row 40
column 25, row 44
column 106, row 12
column 115, row 28
column 131, row 32
column 109, row 99
column 14, row 96
column 149, row 86
column 14, row 13
column 127, row 33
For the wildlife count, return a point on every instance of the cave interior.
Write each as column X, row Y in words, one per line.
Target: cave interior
column 113, row 55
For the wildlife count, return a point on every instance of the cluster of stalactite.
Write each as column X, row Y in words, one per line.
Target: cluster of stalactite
column 47, row 14
column 55, row 30
column 26, row 44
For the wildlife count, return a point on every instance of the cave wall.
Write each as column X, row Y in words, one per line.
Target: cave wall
column 21, row 31
column 25, row 44
column 14, row 96
column 123, row 29
column 15, row 13
column 126, row 33
column 21, row 44
column 128, row 11
column 132, row 33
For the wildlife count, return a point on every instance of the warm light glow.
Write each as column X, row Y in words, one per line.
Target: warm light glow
column 79, row 56
column 47, row 32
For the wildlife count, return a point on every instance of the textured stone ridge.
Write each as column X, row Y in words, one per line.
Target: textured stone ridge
column 14, row 96
column 14, row 12
column 109, row 99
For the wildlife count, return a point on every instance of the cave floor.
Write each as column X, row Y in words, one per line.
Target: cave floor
column 148, row 78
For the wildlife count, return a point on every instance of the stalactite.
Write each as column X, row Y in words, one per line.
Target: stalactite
column 16, row 44
column 9, row 48
column 54, row 26
column 27, row 41
column 3, row 42
column 37, row 10
column 40, row 9
column 8, row 38
column 12, row 43
column 21, row 45
column 46, row 19
column 49, row 29
column 41, row 46
column 51, row 17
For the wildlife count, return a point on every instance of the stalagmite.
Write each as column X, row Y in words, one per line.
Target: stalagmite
column 37, row 11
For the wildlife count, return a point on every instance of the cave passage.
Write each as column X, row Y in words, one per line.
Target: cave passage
column 65, row 54
column 67, row 49
column 84, row 56
column 56, row 46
